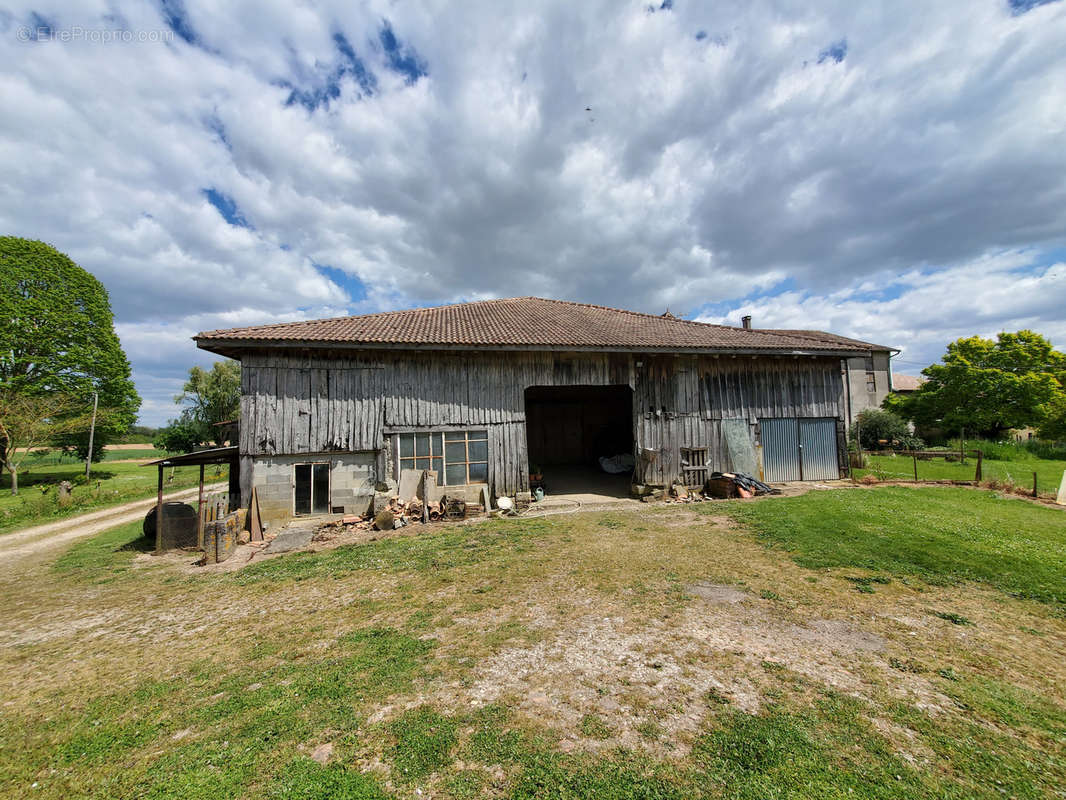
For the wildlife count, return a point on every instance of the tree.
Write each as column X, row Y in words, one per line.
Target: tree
column 28, row 422
column 181, row 435
column 58, row 339
column 875, row 429
column 1053, row 428
column 988, row 386
column 214, row 396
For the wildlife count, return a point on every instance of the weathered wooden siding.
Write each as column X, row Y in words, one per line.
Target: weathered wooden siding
column 318, row 404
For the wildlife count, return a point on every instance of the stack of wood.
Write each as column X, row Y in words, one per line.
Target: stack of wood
column 679, row 493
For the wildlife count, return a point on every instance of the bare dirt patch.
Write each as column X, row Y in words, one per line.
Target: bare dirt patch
column 673, row 671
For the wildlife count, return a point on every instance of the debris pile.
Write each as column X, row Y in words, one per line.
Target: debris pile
column 722, row 485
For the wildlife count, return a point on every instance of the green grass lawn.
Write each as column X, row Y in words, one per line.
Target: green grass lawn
column 110, row 484
column 934, row 534
column 1018, row 471
column 566, row 657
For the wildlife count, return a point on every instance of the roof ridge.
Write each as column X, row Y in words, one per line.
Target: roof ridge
column 633, row 313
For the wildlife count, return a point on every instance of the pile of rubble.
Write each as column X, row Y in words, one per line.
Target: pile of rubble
column 719, row 486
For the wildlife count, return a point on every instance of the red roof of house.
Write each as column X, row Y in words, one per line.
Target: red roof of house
column 526, row 322
column 906, row 383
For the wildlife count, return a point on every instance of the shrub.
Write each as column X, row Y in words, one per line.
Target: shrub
column 874, row 426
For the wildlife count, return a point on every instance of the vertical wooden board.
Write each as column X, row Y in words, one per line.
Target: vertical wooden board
column 246, row 431
column 247, row 466
column 318, row 411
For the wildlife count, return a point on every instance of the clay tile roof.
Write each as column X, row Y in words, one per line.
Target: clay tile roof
column 526, row 322
column 906, row 383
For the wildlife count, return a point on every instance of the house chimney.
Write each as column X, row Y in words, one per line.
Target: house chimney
column 745, row 322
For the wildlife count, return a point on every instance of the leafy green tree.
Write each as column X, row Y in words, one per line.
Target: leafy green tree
column 182, row 435
column 58, row 338
column 28, row 422
column 213, row 396
column 1053, row 428
column 986, row 387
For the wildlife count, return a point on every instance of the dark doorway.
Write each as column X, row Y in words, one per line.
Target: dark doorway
column 568, row 429
column 312, row 489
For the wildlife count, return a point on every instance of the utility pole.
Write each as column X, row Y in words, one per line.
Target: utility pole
column 92, row 432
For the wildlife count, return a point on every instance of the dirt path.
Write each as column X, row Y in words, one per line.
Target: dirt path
column 20, row 544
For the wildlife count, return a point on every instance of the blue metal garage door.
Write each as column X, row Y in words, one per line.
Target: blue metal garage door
column 799, row 449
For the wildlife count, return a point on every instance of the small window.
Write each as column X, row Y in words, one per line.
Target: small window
column 869, row 363
column 871, row 382
column 311, row 494
column 458, row 457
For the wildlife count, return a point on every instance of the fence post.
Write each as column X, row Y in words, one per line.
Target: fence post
column 915, row 456
column 980, row 456
column 1034, row 484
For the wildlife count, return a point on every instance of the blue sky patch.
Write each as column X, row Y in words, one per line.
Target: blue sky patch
column 355, row 288
column 349, row 65
column 400, row 57
column 834, row 52
column 1018, row 7
column 226, row 206
column 177, row 19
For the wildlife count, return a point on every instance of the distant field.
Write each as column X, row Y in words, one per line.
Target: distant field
column 1020, row 472
column 112, row 453
column 111, row 483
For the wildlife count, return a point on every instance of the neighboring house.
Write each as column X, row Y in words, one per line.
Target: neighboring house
column 332, row 408
column 906, row 384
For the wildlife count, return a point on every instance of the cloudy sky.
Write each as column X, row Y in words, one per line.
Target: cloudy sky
column 895, row 172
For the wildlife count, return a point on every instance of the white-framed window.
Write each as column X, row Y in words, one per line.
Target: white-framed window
column 458, row 457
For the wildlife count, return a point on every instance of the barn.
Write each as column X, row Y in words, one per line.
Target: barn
column 484, row 392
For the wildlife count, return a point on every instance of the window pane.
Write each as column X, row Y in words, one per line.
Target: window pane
column 320, row 484
column 421, row 444
column 422, row 463
column 479, row 473
column 479, row 451
column 455, row 452
column 407, row 445
column 455, row 436
column 438, row 467
column 456, row 474
column 302, row 502
column 479, row 434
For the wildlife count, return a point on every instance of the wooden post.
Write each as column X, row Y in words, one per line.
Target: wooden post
column 915, row 456
column 977, row 477
column 1034, row 484
column 200, row 512
column 159, row 514
column 92, row 433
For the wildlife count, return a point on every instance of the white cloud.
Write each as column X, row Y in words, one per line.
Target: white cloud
column 704, row 172
column 926, row 310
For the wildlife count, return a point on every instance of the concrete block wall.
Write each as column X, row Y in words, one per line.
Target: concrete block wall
column 352, row 478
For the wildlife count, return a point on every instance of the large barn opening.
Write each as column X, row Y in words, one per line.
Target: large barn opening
column 568, row 430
